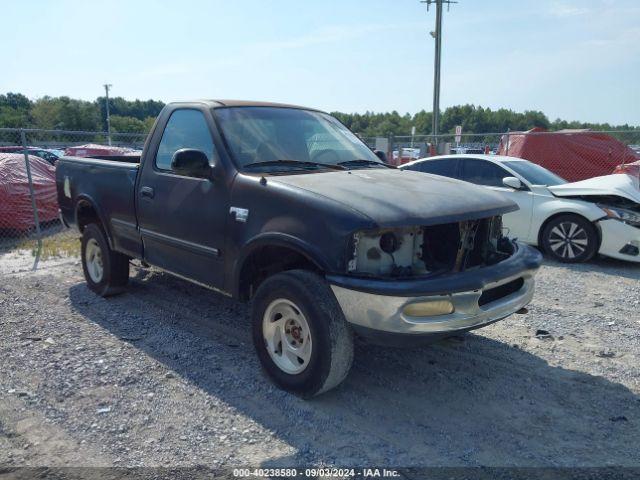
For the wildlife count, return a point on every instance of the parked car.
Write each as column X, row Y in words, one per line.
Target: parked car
column 51, row 156
column 405, row 155
column 468, row 150
column 571, row 222
column 632, row 169
column 16, row 209
column 324, row 239
column 94, row 149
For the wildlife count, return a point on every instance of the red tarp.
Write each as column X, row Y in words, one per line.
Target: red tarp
column 573, row 154
column 16, row 212
column 91, row 149
column 632, row 169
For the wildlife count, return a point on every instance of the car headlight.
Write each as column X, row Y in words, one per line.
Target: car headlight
column 396, row 252
column 622, row 214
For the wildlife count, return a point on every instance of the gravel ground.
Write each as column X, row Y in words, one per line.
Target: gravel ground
column 165, row 374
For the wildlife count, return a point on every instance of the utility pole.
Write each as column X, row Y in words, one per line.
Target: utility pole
column 437, row 35
column 107, row 86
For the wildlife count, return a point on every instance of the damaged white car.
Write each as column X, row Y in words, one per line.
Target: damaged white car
column 571, row 222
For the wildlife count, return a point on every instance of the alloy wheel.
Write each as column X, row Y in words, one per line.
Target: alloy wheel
column 568, row 240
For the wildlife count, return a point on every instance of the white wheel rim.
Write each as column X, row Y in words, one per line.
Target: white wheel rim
column 93, row 260
column 287, row 336
column 568, row 240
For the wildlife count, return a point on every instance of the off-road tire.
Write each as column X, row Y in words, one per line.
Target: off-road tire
column 115, row 273
column 332, row 338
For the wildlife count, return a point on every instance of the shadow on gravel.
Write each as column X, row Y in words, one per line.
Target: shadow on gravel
column 462, row 402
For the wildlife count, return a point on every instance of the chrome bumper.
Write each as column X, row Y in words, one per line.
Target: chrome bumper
column 384, row 313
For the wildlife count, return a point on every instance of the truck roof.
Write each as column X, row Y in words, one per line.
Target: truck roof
column 218, row 103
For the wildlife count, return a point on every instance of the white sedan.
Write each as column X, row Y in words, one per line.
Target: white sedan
column 571, row 222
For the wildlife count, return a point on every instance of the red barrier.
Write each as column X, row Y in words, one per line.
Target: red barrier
column 16, row 212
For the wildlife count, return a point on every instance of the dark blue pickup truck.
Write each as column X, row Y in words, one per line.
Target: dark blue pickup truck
column 284, row 207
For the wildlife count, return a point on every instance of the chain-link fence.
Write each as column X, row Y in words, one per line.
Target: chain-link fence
column 30, row 226
column 573, row 154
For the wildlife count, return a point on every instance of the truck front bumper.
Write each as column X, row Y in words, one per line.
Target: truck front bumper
column 393, row 312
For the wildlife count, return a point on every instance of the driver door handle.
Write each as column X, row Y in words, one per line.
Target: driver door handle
column 147, row 192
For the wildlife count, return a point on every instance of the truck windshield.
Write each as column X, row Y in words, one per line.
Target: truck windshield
column 279, row 138
column 535, row 174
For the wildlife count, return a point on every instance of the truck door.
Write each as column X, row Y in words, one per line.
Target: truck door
column 182, row 218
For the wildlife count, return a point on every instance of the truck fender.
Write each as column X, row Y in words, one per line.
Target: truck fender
column 85, row 199
column 275, row 239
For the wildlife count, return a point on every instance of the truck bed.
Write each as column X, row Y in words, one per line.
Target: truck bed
column 115, row 158
column 108, row 184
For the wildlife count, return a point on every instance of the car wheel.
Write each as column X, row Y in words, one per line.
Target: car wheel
column 105, row 271
column 299, row 332
column 570, row 238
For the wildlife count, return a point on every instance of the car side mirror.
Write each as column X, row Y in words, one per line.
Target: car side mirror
column 191, row 163
column 512, row 182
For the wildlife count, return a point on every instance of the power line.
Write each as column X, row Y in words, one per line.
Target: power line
column 437, row 34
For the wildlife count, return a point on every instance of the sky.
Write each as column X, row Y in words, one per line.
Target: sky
column 571, row 59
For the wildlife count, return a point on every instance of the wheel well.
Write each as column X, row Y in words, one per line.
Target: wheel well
column 556, row 215
column 86, row 214
column 267, row 261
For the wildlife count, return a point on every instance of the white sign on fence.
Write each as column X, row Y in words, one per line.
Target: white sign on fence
column 458, row 133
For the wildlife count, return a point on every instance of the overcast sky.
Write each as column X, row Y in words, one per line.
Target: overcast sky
column 573, row 59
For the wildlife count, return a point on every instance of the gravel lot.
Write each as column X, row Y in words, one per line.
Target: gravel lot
column 165, row 374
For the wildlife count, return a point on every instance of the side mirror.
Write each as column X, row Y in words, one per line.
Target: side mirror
column 191, row 163
column 512, row 182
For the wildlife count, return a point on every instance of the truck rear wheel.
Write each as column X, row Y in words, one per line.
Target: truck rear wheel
column 105, row 271
column 301, row 337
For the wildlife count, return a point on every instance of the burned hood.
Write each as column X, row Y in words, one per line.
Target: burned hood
column 397, row 197
column 620, row 185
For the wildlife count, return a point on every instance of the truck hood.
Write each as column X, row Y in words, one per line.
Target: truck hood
column 619, row 185
column 401, row 198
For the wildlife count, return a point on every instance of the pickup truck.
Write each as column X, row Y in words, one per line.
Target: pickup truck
column 286, row 208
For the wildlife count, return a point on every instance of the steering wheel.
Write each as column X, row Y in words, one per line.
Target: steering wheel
column 330, row 156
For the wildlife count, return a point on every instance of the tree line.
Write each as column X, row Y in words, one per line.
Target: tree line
column 137, row 116
column 65, row 113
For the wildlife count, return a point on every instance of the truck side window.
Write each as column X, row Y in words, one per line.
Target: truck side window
column 186, row 128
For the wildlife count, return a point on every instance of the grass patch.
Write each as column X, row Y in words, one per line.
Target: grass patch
column 55, row 246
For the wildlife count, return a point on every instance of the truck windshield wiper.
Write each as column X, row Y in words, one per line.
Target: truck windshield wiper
column 294, row 163
column 361, row 161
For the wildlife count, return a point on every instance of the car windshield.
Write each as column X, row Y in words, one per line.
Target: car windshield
column 278, row 138
column 535, row 174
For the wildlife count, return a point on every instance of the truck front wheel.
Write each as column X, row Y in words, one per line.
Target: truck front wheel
column 301, row 337
column 105, row 271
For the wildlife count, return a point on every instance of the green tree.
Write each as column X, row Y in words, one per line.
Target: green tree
column 64, row 113
column 140, row 109
column 14, row 110
column 121, row 124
